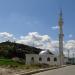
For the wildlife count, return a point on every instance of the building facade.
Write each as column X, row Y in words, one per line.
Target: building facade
column 42, row 57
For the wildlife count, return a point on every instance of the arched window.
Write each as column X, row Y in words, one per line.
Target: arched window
column 55, row 59
column 40, row 59
column 32, row 59
column 48, row 59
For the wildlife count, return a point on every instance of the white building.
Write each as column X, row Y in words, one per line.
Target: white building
column 45, row 57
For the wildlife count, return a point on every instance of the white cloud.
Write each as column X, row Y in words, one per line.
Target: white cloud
column 70, row 44
column 55, row 27
column 4, row 36
column 55, row 43
column 36, row 40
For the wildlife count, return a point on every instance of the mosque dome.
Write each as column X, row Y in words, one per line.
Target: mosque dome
column 44, row 52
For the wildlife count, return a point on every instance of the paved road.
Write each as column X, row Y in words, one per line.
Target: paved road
column 70, row 70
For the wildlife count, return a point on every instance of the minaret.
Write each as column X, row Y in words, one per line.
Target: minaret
column 61, row 35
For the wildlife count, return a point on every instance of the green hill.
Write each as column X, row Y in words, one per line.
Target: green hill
column 11, row 49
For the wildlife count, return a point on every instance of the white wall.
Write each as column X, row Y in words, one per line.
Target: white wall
column 29, row 56
column 44, row 59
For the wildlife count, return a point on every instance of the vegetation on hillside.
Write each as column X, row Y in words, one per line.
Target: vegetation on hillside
column 11, row 49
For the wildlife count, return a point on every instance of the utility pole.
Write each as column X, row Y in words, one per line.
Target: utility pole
column 68, row 55
column 73, row 57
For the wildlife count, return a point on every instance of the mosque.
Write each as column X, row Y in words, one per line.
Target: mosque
column 46, row 56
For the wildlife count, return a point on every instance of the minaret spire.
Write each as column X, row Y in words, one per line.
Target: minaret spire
column 60, row 22
column 61, row 35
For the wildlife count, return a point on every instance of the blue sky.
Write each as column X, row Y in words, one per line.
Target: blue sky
column 20, row 17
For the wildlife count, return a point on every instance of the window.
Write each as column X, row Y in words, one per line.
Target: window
column 40, row 59
column 32, row 59
column 48, row 59
column 55, row 59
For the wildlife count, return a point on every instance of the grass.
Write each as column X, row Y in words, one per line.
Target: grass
column 8, row 63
